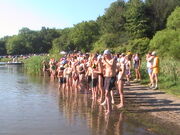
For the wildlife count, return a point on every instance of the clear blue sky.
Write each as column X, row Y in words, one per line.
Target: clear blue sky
column 15, row 14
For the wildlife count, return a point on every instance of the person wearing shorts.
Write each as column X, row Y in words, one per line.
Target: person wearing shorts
column 94, row 82
column 60, row 71
column 109, row 82
column 149, row 59
column 155, row 70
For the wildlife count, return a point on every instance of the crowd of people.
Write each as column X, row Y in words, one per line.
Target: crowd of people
column 100, row 74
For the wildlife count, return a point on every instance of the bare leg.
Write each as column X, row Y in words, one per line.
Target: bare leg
column 139, row 74
column 106, row 86
column 112, row 97
column 121, row 84
column 156, row 80
column 136, row 74
column 107, row 95
column 108, row 101
column 100, row 86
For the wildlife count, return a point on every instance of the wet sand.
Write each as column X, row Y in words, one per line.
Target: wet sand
column 164, row 108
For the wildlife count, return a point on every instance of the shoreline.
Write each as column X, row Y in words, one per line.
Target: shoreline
column 154, row 109
column 154, row 106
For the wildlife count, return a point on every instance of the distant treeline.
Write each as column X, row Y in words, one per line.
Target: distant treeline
column 136, row 25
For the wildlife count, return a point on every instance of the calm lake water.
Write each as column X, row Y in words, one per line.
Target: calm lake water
column 33, row 106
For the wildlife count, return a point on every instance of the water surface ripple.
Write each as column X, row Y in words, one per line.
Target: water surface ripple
column 33, row 106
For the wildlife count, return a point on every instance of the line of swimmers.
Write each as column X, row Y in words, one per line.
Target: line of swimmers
column 95, row 73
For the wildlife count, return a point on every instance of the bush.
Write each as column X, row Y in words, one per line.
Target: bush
column 33, row 65
column 106, row 41
column 166, row 42
column 169, row 76
column 140, row 46
column 173, row 21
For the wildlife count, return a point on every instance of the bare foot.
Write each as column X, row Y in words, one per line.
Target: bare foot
column 107, row 112
column 92, row 97
column 104, row 103
column 99, row 100
column 120, row 106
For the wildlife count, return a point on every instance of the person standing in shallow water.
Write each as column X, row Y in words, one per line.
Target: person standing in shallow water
column 120, row 82
column 100, row 78
column 110, row 77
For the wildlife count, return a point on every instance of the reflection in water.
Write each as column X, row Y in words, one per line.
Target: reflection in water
column 34, row 106
column 75, row 107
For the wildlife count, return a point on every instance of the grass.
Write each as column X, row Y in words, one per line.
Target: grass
column 20, row 59
column 33, row 65
column 169, row 76
column 5, row 59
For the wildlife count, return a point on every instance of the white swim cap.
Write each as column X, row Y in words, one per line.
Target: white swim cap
column 153, row 53
column 99, row 56
column 106, row 52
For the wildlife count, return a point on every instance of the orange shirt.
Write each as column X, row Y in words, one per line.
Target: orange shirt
column 156, row 62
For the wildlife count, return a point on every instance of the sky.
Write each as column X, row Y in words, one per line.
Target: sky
column 59, row 14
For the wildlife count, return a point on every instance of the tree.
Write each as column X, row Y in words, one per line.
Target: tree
column 113, row 20
column 84, row 34
column 106, row 41
column 166, row 42
column 136, row 22
column 173, row 21
column 16, row 45
column 46, row 36
column 157, row 12
column 30, row 39
column 140, row 46
column 64, row 42
column 2, row 47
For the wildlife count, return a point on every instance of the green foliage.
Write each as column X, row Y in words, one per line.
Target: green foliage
column 16, row 45
column 81, row 37
column 46, row 37
column 166, row 42
column 28, row 41
column 136, row 22
column 5, row 59
column 2, row 47
column 120, row 49
column 169, row 76
column 140, row 46
column 84, row 34
column 63, row 43
column 113, row 20
column 33, row 65
column 106, row 41
column 173, row 21
column 157, row 12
